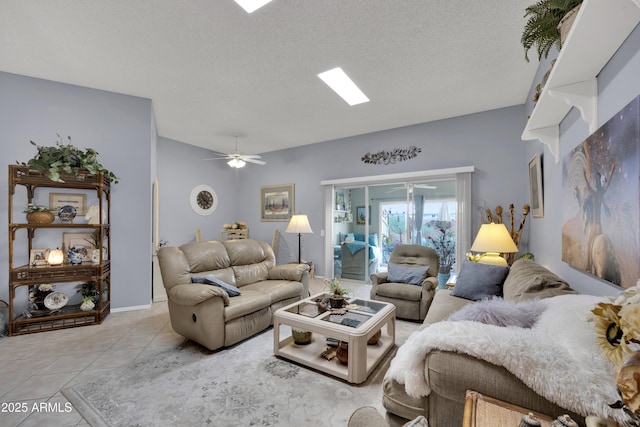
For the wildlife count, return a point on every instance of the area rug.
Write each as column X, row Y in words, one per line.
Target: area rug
column 243, row 385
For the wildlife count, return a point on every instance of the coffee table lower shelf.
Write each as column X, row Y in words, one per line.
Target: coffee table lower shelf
column 310, row 355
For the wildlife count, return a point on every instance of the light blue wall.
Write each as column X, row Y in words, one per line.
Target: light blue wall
column 122, row 130
column 618, row 84
column 490, row 141
column 182, row 167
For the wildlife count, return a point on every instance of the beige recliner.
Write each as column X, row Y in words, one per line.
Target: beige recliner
column 412, row 301
column 206, row 313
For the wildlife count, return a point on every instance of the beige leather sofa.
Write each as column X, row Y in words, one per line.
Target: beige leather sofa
column 205, row 313
column 411, row 301
column 450, row 374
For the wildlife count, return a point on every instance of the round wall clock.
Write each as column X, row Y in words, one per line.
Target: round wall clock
column 203, row 200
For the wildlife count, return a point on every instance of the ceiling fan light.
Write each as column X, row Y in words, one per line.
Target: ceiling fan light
column 236, row 163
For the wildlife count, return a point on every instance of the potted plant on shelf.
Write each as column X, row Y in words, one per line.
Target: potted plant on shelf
column 66, row 158
column 543, row 26
column 337, row 293
column 38, row 214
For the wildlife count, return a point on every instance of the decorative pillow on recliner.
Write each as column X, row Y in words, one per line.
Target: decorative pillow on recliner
column 413, row 275
column 214, row 281
column 477, row 281
column 496, row 311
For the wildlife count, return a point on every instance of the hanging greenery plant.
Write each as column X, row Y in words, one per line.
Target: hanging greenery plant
column 52, row 161
column 541, row 30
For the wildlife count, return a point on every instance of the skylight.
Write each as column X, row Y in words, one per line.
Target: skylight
column 252, row 5
column 337, row 80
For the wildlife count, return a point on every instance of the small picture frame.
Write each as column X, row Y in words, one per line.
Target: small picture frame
column 39, row 257
column 78, row 201
column 535, row 187
column 276, row 202
column 361, row 215
column 81, row 243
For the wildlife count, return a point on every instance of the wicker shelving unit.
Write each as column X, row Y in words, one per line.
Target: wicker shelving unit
column 27, row 275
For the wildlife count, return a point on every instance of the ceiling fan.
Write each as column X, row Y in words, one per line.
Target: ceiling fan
column 237, row 160
column 404, row 187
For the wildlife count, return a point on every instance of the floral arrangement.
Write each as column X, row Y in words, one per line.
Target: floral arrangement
column 441, row 238
column 617, row 325
column 238, row 225
column 37, row 294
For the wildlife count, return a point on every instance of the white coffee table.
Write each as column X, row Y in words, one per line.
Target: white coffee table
column 356, row 327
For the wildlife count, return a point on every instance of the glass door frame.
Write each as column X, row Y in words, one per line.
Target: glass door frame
column 462, row 175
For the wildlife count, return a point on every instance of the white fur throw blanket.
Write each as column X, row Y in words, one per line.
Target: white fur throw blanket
column 558, row 357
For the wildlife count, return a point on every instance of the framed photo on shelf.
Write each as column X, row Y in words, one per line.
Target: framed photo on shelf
column 82, row 244
column 361, row 215
column 38, row 257
column 78, row 201
column 276, row 202
column 535, row 186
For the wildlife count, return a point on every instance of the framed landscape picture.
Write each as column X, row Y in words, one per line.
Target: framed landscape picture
column 276, row 202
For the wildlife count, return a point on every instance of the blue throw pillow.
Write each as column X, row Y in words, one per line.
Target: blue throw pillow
column 214, row 281
column 373, row 240
column 359, row 237
column 413, row 275
column 477, row 281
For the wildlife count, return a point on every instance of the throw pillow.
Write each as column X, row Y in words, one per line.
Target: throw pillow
column 407, row 274
column 496, row 311
column 373, row 240
column 529, row 280
column 214, row 281
column 477, row 281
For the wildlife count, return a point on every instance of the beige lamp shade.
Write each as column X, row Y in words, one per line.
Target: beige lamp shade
column 493, row 239
column 56, row 257
column 299, row 224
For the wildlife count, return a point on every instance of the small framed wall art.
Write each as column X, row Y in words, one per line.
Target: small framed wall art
column 78, row 201
column 535, row 186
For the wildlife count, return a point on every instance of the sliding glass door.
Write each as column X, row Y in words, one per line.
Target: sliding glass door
column 368, row 220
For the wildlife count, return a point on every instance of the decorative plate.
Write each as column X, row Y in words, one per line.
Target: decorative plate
column 67, row 213
column 56, row 300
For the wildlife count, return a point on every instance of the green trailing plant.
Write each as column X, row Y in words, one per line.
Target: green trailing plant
column 541, row 29
column 32, row 207
column 66, row 158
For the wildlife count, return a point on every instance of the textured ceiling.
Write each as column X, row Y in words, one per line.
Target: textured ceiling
column 214, row 71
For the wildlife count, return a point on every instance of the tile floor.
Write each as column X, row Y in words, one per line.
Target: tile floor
column 35, row 367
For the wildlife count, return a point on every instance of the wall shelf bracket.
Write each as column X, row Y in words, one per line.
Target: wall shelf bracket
column 550, row 136
column 583, row 96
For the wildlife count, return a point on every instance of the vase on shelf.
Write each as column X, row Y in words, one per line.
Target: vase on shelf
column 40, row 218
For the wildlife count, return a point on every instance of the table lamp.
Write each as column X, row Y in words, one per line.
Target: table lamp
column 56, row 257
column 493, row 239
column 299, row 224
